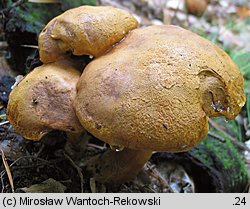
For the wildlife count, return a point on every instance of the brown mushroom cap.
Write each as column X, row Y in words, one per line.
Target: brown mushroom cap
column 86, row 30
column 43, row 101
column 157, row 89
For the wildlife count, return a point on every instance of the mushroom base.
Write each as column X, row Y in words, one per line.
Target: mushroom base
column 117, row 167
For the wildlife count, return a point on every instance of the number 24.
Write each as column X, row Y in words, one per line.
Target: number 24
column 240, row 201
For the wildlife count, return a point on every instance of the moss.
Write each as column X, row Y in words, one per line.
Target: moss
column 224, row 158
column 35, row 16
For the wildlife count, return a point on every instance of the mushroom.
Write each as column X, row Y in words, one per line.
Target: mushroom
column 43, row 101
column 150, row 91
column 155, row 91
column 196, row 7
column 85, row 30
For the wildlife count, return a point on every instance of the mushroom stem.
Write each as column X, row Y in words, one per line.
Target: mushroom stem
column 76, row 144
column 117, row 167
column 77, row 140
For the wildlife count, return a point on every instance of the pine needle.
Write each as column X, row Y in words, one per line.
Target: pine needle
column 7, row 168
column 29, row 46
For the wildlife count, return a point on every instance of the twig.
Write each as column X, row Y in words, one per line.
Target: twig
column 29, row 46
column 7, row 168
column 96, row 146
column 40, row 150
column 234, row 141
column 3, row 123
column 157, row 175
column 29, row 157
column 2, row 184
column 23, row 157
column 31, row 166
column 77, row 168
column 127, row 188
column 215, row 136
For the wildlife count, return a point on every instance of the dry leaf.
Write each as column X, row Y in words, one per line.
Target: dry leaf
column 243, row 12
column 48, row 186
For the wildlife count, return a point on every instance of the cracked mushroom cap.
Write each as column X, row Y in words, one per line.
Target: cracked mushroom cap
column 86, row 30
column 157, row 89
column 43, row 101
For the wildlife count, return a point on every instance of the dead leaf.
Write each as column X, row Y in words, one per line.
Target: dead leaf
column 92, row 184
column 48, row 186
column 243, row 12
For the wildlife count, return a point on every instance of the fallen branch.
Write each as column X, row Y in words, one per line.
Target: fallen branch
column 153, row 171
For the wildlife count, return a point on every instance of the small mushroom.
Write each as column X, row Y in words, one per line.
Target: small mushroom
column 43, row 101
column 157, row 89
column 86, row 30
column 196, row 7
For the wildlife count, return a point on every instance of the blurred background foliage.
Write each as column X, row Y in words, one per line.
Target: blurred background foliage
column 37, row 13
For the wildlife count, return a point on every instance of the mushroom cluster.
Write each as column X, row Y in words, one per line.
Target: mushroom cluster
column 147, row 89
